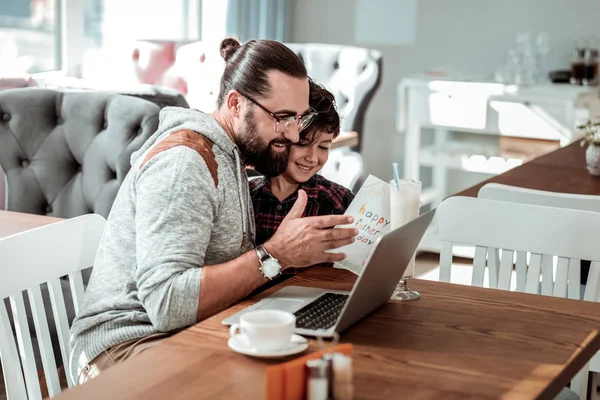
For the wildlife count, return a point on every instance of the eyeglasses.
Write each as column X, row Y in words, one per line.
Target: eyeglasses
column 285, row 121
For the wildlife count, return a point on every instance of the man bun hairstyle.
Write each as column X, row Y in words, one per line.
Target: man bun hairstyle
column 247, row 66
column 228, row 48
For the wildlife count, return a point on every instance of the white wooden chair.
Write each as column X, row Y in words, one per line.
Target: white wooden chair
column 499, row 229
column 497, row 191
column 27, row 260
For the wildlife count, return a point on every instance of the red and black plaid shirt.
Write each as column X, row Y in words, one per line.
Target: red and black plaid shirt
column 324, row 198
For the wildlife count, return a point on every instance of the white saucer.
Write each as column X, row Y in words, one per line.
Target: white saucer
column 239, row 343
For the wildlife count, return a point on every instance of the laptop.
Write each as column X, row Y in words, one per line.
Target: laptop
column 323, row 312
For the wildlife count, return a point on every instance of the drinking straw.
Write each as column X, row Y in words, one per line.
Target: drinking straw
column 396, row 179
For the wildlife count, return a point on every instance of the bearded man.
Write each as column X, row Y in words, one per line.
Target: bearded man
column 178, row 245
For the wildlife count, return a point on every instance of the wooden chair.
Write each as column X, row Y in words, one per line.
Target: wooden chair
column 29, row 259
column 536, row 234
column 497, row 191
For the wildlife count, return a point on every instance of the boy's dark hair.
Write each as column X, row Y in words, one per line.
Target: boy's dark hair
column 247, row 66
column 327, row 119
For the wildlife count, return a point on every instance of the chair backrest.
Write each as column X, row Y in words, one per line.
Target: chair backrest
column 66, row 154
column 499, row 230
column 29, row 259
column 497, row 191
column 352, row 74
column 343, row 167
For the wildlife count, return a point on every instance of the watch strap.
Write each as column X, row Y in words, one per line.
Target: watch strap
column 262, row 253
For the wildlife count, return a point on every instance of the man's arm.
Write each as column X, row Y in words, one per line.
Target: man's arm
column 225, row 284
column 176, row 203
column 299, row 242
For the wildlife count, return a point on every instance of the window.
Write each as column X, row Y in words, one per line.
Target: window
column 91, row 38
column 29, row 36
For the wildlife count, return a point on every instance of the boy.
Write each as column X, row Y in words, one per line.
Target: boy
column 273, row 197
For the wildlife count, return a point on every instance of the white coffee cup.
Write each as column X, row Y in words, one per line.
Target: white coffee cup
column 265, row 330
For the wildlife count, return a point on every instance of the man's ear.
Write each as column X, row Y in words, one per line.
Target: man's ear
column 234, row 103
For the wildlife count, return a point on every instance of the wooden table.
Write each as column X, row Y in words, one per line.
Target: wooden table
column 563, row 170
column 15, row 222
column 455, row 342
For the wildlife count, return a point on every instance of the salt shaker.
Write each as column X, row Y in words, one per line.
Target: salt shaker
column 317, row 386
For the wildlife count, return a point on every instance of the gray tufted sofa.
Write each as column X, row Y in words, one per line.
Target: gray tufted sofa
column 159, row 95
column 66, row 154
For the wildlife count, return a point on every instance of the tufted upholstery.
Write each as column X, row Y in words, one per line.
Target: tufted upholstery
column 352, row 74
column 66, row 154
column 162, row 96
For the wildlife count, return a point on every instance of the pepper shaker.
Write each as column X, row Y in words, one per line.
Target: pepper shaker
column 343, row 387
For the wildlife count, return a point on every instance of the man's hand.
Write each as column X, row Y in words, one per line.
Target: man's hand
column 301, row 242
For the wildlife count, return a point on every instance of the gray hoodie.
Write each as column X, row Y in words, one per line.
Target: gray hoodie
column 184, row 204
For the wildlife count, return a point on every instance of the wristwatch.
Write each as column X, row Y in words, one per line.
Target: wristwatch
column 269, row 265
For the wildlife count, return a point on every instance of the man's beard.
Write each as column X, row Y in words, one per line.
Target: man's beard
column 257, row 153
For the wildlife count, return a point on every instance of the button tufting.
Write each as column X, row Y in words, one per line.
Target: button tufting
column 140, row 131
column 105, row 125
column 79, row 168
column 25, row 163
column 5, row 117
column 48, row 209
column 59, row 121
column 336, row 65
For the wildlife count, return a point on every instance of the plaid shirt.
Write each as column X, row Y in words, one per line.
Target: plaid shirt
column 324, row 198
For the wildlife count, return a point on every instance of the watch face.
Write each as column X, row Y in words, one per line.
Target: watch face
column 271, row 268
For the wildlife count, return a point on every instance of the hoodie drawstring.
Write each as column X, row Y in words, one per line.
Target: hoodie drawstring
column 245, row 202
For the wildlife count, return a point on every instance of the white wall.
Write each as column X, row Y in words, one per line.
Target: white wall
column 460, row 36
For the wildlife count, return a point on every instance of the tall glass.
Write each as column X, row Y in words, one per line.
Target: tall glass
column 405, row 201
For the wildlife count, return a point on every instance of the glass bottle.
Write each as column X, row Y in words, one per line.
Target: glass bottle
column 578, row 67
column 591, row 67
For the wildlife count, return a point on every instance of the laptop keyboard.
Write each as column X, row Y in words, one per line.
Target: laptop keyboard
column 321, row 313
